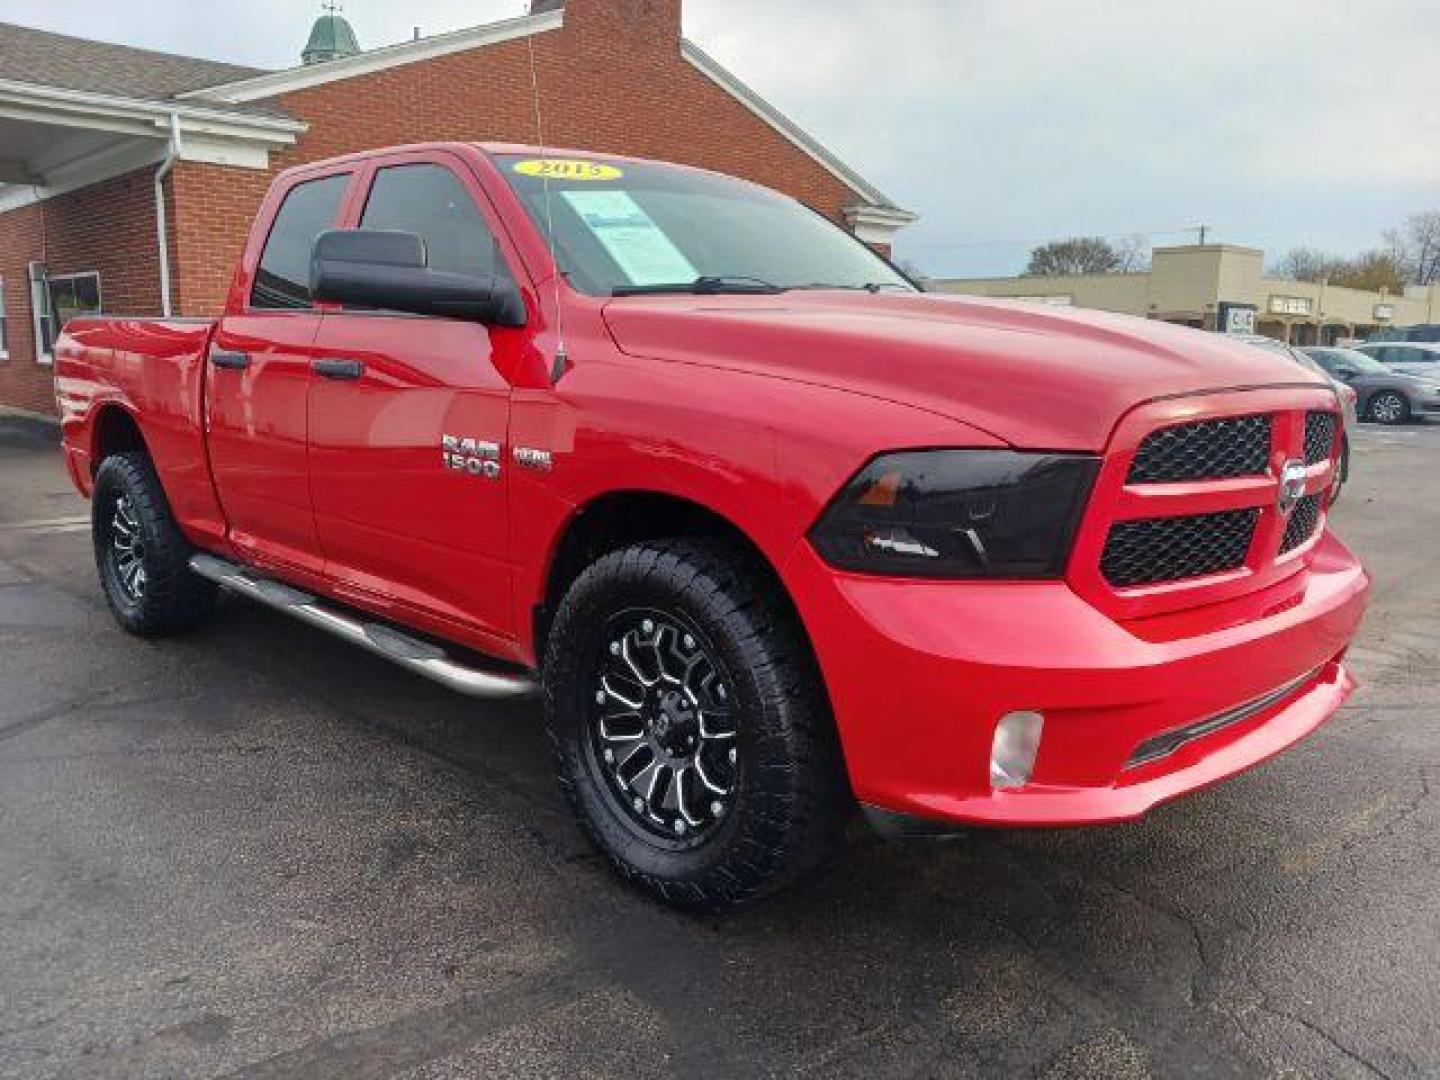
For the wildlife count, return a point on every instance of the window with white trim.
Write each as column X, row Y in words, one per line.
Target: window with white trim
column 55, row 299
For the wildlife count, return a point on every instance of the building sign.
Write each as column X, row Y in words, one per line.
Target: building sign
column 1291, row 305
column 1231, row 318
column 1384, row 312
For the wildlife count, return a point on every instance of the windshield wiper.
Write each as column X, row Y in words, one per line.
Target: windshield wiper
column 703, row 286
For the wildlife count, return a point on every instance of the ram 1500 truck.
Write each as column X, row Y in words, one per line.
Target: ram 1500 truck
column 771, row 532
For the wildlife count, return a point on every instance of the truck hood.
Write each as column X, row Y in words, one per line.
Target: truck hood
column 1038, row 377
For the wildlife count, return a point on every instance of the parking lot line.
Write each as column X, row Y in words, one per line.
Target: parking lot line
column 57, row 525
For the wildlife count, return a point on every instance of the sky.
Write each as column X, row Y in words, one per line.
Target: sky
column 1005, row 123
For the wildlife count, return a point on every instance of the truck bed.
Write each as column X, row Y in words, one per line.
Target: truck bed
column 151, row 374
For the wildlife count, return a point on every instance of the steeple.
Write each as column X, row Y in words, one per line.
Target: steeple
column 331, row 37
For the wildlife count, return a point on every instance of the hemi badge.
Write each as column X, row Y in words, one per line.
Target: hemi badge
column 538, row 460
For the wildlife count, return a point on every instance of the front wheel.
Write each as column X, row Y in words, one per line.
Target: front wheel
column 1388, row 407
column 692, row 735
column 142, row 557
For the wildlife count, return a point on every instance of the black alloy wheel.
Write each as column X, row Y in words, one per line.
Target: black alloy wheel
column 662, row 726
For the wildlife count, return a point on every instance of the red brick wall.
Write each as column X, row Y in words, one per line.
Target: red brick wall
column 108, row 227
column 612, row 80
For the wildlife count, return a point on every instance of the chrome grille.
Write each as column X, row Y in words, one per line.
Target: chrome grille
column 1170, row 549
column 1204, row 450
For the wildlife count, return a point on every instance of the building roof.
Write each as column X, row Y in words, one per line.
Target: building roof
column 43, row 58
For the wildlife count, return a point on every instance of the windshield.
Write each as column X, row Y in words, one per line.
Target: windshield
column 1366, row 365
column 636, row 227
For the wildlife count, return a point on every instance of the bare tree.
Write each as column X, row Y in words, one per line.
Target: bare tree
column 1385, row 268
column 1134, row 254
column 1372, row 271
column 1421, row 247
column 1078, row 255
column 1306, row 264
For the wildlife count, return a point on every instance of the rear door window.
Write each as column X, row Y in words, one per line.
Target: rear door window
column 283, row 278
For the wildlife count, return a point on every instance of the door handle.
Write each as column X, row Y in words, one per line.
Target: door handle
column 237, row 361
column 335, row 368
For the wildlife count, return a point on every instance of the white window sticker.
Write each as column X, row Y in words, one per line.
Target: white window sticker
column 639, row 247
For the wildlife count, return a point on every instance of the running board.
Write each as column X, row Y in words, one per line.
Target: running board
column 421, row 657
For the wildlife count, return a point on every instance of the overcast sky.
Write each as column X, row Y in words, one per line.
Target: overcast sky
column 1006, row 122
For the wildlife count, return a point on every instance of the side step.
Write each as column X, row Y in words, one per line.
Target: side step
column 421, row 657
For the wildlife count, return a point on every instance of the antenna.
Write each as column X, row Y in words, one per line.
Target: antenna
column 561, row 363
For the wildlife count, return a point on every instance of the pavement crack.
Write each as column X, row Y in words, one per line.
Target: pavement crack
column 57, row 711
column 1206, row 965
column 417, row 1038
column 1319, row 1030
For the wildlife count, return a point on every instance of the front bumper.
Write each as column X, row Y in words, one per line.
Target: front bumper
column 920, row 672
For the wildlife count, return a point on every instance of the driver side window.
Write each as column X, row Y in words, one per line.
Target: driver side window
column 430, row 200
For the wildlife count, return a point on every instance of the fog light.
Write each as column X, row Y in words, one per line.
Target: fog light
column 1012, row 755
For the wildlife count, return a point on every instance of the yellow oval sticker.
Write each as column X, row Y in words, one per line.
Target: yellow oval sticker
column 567, row 169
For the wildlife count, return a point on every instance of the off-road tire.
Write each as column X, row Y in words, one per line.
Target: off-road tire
column 173, row 598
column 791, row 797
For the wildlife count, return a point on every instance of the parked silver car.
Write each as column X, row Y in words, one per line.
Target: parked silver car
column 1386, row 395
column 1411, row 357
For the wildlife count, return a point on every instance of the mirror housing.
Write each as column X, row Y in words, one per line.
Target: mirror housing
column 1346, row 373
column 388, row 270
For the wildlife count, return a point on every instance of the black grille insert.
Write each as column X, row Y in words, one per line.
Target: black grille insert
column 1303, row 520
column 1319, row 436
column 1204, row 450
column 1170, row 549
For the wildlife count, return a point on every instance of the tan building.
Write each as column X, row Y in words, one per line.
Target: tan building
column 1221, row 287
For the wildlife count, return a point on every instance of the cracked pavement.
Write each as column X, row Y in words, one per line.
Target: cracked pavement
column 255, row 852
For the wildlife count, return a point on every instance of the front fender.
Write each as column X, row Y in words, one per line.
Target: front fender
column 762, row 453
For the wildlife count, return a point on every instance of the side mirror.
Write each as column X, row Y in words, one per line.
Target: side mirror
column 1346, row 373
column 388, row 270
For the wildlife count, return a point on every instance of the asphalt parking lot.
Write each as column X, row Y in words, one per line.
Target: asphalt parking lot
column 257, row 852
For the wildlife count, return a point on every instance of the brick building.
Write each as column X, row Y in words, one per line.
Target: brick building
column 90, row 132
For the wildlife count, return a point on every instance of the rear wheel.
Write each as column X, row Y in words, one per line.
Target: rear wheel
column 692, row 736
column 142, row 557
column 1389, row 407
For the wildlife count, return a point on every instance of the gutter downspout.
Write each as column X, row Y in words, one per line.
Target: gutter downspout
column 171, row 156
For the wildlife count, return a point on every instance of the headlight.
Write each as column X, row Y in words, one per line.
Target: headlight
column 958, row 514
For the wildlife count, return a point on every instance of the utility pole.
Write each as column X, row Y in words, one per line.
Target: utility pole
column 1202, row 230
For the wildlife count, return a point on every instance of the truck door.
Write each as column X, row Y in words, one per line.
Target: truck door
column 409, row 422
column 258, row 379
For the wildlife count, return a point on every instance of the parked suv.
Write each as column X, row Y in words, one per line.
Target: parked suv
column 770, row 532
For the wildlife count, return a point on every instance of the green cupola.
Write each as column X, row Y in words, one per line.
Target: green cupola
column 330, row 38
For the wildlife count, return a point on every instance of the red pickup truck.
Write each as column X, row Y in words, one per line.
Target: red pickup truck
column 770, row 531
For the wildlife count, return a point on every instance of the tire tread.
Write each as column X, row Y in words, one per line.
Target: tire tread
column 801, row 791
column 175, row 598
